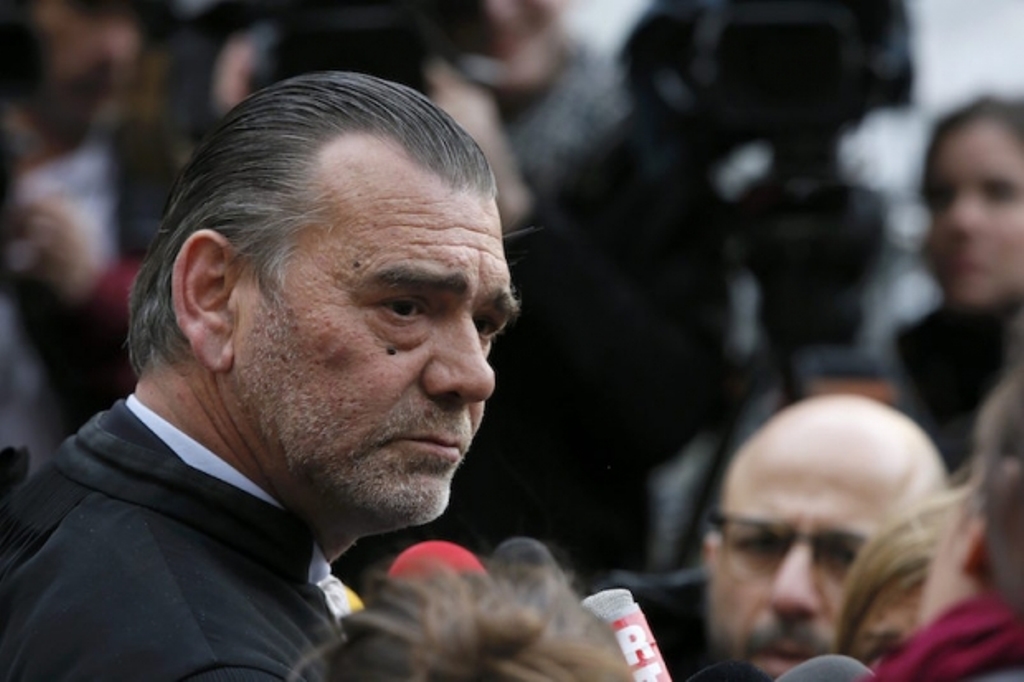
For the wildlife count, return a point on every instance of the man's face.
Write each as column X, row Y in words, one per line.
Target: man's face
column 776, row 564
column 366, row 383
column 90, row 48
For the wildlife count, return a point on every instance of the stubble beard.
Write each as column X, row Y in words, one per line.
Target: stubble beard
column 374, row 485
column 791, row 632
column 377, row 482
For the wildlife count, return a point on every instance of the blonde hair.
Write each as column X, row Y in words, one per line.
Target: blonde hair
column 894, row 560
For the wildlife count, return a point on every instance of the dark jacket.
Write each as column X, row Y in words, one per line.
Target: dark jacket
column 119, row 561
column 951, row 361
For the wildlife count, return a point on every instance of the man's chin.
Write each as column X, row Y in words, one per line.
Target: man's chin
column 429, row 512
column 428, row 506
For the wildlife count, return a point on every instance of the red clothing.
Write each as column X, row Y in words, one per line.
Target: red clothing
column 976, row 636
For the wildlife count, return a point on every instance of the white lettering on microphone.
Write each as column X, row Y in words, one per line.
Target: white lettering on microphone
column 648, row 673
column 634, row 644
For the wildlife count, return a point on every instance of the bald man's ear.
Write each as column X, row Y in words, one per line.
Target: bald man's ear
column 205, row 276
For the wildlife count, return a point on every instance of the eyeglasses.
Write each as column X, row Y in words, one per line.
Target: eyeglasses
column 755, row 548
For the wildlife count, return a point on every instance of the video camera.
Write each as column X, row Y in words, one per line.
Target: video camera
column 711, row 77
column 776, row 66
column 772, row 85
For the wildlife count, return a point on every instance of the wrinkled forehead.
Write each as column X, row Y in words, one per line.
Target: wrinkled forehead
column 379, row 208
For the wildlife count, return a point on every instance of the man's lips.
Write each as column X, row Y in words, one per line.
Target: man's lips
column 446, row 447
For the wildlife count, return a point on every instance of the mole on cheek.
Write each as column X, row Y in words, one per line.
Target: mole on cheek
column 392, row 350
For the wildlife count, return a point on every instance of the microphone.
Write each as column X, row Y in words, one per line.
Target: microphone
column 618, row 608
column 731, row 671
column 425, row 558
column 830, row 668
column 525, row 551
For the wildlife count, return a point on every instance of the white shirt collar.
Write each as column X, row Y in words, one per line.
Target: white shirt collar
column 197, row 456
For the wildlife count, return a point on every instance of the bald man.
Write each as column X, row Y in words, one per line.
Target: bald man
column 798, row 500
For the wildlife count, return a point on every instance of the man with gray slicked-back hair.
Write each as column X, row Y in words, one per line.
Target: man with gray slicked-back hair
column 311, row 329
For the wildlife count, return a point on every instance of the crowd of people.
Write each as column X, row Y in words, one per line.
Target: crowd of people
column 266, row 333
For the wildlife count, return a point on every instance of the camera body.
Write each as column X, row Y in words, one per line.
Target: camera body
column 768, row 67
column 712, row 76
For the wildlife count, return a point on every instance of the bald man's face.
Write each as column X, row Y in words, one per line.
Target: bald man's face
column 798, row 503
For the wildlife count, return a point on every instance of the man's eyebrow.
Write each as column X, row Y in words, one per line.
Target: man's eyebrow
column 508, row 305
column 504, row 301
column 405, row 277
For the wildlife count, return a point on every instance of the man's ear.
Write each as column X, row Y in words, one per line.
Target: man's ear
column 976, row 558
column 205, row 275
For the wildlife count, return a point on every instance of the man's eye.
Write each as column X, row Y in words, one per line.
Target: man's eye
column 765, row 544
column 836, row 552
column 487, row 326
column 404, row 308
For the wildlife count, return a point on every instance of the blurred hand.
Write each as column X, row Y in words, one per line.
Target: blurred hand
column 46, row 242
column 474, row 109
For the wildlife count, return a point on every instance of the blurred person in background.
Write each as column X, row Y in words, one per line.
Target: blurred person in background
column 541, row 92
column 973, row 186
column 882, row 594
column 971, row 601
column 560, row 102
column 89, row 171
column 1003, row 489
column 798, row 502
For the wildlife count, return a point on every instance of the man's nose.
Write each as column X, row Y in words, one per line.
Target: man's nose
column 458, row 370
column 795, row 594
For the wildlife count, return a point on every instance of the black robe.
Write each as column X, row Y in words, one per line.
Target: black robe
column 120, row 561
